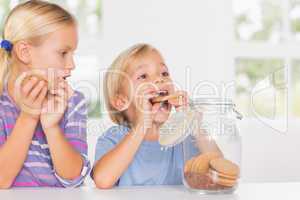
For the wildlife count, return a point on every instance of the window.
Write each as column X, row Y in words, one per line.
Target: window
column 296, row 87
column 266, row 48
column 258, row 20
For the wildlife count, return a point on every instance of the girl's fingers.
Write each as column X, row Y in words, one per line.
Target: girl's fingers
column 63, row 90
column 60, row 100
column 62, row 93
column 29, row 86
column 36, row 90
column 61, row 104
column 42, row 95
column 67, row 92
column 70, row 91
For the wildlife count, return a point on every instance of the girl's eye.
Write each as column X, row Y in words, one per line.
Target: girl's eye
column 143, row 76
column 64, row 53
column 165, row 74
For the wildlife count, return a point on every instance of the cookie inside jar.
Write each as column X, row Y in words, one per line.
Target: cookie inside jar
column 210, row 171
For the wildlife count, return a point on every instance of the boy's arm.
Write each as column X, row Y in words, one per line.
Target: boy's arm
column 111, row 166
column 205, row 143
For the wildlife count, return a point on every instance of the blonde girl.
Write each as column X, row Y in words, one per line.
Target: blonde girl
column 42, row 132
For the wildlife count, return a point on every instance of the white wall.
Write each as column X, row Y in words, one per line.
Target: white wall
column 195, row 34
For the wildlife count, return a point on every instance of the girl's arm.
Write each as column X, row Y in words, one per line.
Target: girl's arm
column 68, row 163
column 111, row 166
column 13, row 152
column 68, row 147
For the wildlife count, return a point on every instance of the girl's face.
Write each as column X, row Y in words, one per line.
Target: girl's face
column 149, row 74
column 56, row 51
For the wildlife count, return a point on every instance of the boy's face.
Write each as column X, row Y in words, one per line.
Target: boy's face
column 149, row 74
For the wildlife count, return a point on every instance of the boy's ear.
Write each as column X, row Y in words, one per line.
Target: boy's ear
column 22, row 52
column 120, row 103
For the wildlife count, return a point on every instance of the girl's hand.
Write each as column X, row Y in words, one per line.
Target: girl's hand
column 30, row 96
column 181, row 101
column 54, row 106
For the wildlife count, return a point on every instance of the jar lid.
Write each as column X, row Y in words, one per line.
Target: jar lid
column 213, row 101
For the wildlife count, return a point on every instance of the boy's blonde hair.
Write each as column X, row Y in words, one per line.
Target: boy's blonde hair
column 115, row 79
column 30, row 21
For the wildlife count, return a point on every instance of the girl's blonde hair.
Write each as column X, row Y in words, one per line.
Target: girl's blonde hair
column 115, row 77
column 30, row 21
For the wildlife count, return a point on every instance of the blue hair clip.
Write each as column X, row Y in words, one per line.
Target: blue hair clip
column 7, row 45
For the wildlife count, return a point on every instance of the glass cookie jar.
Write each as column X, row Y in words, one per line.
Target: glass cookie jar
column 208, row 129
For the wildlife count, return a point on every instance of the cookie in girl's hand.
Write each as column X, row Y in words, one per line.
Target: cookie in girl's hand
column 40, row 75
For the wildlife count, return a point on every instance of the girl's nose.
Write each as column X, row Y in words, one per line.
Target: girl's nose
column 70, row 65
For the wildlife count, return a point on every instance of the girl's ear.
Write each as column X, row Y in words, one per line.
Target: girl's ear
column 22, row 52
column 120, row 103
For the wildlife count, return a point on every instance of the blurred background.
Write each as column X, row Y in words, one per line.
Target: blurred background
column 250, row 47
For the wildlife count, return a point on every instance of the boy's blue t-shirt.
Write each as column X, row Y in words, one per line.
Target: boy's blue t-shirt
column 152, row 165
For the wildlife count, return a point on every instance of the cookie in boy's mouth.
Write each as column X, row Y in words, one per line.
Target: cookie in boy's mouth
column 162, row 100
column 160, row 97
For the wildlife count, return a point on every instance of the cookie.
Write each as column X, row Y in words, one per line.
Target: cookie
column 217, row 174
column 226, row 182
column 41, row 77
column 225, row 167
column 164, row 98
column 200, row 181
column 201, row 162
column 188, row 165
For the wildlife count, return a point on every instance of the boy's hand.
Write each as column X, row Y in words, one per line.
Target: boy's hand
column 181, row 101
column 55, row 105
column 144, row 108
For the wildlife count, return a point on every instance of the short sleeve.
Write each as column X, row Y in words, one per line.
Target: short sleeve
column 75, row 133
column 108, row 140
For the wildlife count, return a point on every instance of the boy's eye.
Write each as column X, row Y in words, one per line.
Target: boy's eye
column 64, row 53
column 143, row 76
column 165, row 73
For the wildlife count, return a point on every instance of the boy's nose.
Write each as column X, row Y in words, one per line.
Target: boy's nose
column 159, row 80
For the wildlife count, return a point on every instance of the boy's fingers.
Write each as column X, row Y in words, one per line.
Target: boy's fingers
column 149, row 96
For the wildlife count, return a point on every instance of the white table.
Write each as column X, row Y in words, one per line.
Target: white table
column 253, row 191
